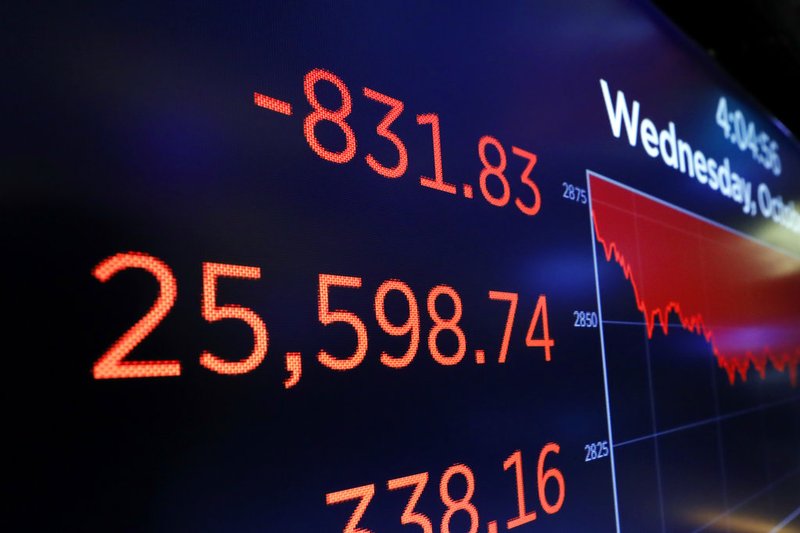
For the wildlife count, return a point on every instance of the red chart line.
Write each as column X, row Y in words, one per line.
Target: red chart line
column 741, row 296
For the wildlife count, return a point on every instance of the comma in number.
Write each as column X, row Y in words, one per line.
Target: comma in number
column 294, row 365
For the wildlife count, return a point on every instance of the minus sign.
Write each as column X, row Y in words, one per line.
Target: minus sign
column 273, row 104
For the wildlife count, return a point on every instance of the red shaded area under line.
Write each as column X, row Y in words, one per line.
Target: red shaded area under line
column 741, row 296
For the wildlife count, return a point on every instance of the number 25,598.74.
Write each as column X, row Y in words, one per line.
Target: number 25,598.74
column 113, row 363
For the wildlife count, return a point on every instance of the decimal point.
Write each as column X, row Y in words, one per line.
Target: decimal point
column 480, row 357
column 467, row 190
column 491, row 527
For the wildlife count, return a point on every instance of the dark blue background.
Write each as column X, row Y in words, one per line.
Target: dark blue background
column 133, row 128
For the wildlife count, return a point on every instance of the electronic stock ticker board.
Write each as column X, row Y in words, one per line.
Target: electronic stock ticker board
column 375, row 267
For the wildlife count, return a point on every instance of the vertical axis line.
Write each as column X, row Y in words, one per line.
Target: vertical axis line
column 603, row 352
column 713, row 369
column 655, row 431
column 653, row 421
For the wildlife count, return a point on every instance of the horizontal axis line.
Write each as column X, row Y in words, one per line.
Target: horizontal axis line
column 708, row 421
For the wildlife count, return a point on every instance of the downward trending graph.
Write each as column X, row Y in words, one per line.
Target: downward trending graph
column 700, row 327
column 743, row 297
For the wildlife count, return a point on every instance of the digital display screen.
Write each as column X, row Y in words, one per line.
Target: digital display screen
column 375, row 267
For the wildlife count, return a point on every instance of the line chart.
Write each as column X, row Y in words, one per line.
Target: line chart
column 739, row 294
